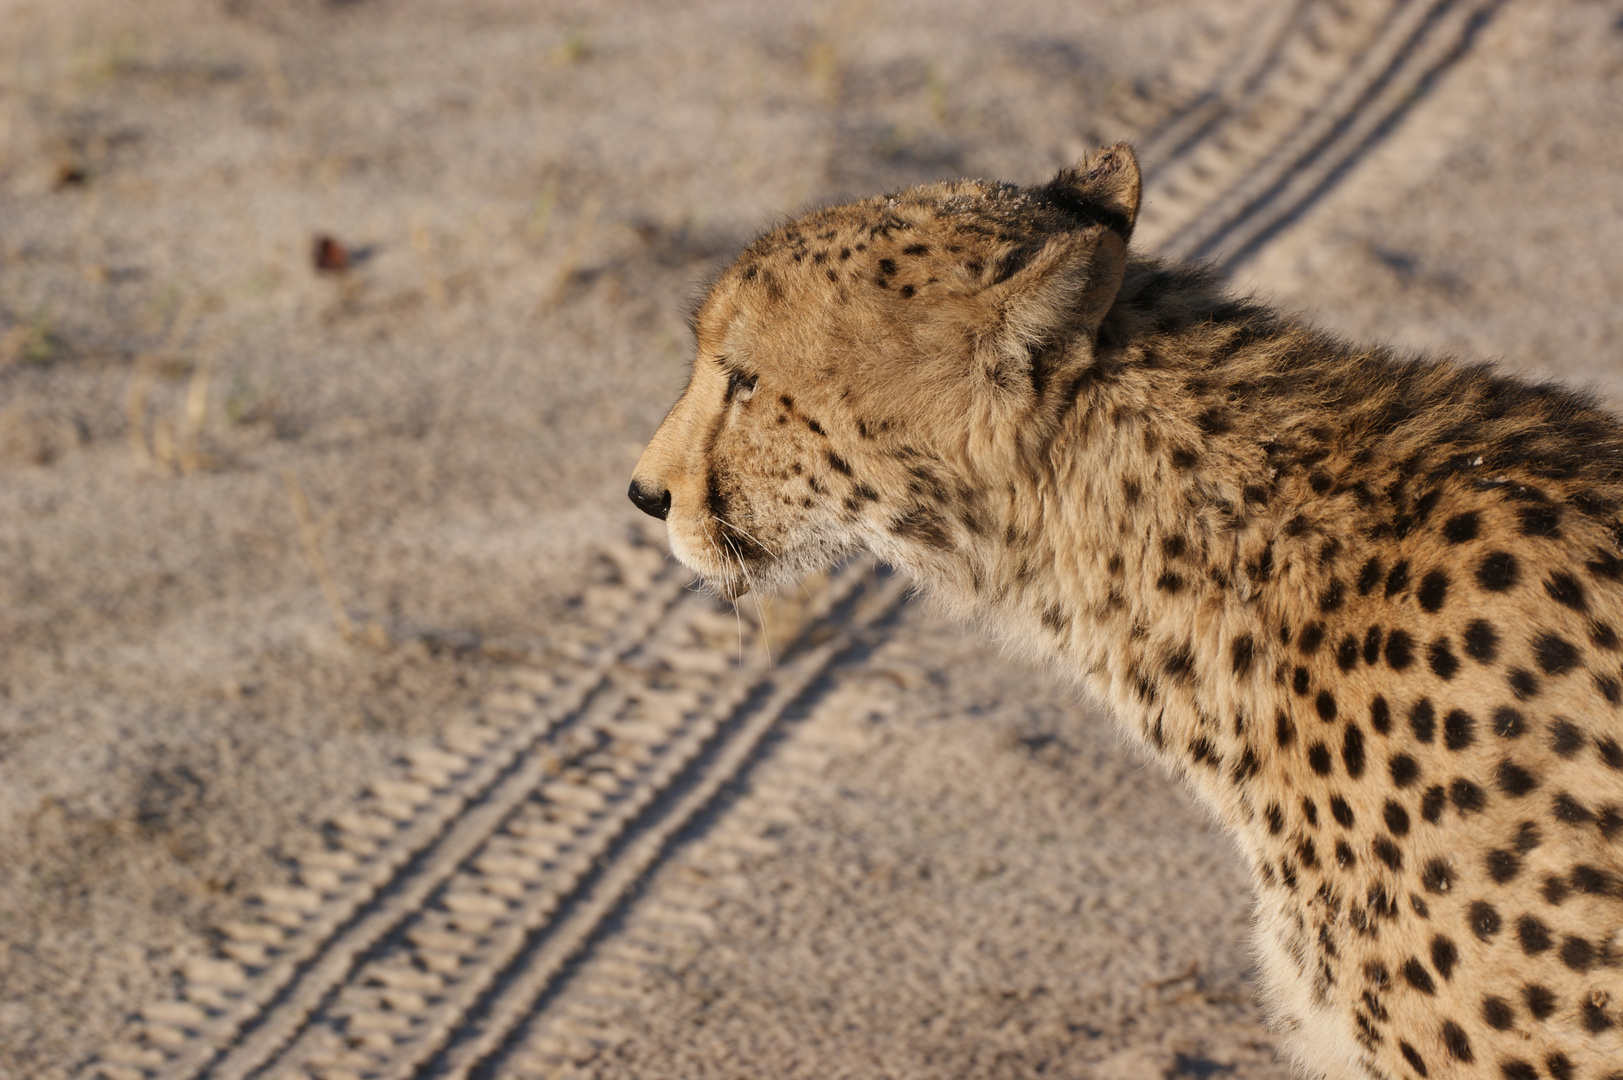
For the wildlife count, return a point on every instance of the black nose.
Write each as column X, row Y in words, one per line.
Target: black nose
column 653, row 503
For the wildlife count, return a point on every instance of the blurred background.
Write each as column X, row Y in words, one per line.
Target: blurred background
column 329, row 334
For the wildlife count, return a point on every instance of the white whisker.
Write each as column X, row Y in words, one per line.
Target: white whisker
column 746, row 536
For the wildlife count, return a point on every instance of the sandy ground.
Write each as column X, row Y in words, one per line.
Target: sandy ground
column 531, row 196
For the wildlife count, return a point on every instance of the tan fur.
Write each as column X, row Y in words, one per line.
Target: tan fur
column 1367, row 605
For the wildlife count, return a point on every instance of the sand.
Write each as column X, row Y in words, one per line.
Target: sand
column 976, row 878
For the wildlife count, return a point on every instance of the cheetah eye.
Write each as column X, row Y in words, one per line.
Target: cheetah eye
column 740, row 386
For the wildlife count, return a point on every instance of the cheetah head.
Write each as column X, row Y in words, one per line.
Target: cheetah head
column 865, row 373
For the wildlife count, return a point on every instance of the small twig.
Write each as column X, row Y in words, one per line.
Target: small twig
column 1192, row 971
column 310, row 535
column 196, row 412
column 146, row 373
column 135, row 407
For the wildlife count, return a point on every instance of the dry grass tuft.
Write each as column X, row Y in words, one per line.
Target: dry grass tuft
column 310, row 533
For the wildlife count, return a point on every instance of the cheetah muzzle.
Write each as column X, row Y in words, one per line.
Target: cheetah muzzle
column 1366, row 605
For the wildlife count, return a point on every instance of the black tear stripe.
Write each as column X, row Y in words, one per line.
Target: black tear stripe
column 715, row 502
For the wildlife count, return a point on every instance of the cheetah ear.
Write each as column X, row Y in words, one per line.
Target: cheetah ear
column 1102, row 190
column 1048, row 292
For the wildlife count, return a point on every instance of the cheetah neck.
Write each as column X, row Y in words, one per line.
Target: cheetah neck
column 1157, row 547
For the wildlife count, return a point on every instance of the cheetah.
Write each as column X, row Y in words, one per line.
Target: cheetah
column 1366, row 605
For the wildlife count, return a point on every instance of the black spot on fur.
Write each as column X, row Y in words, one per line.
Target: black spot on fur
column 1435, row 876
column 1352, row 751
column 1404, row 770
column 1485, row 920
column 1054, row 618
column 1498, row 571
column 1380, row 715
column 1399, row 650
column 1242, row 652
column 1498, row 1013
column 1311, row 638
column 1341, row 811
column 1442, row 659
column 1517, row 1069
column 1606, row 565
column 1577, row 954
column 1566, row 590
column 1387, row 852
column 1481, row 641
column 1565, row 738
column 1397, row 579
column 1423, row 720
column 1347, row 653
column 1523, row 683
column 1284, row 730
column 1533, row 934
column 1396, row 817
column 1539, row 1000
column 922, row 525
column 1180, row 664
column 1466, row 796
column 1372, row 644
column 1570, row 810
column 1459, row 1047
column 1433, row 590
column 1593, row 881
column 1508, row 723
column 1503, row 865
column 1369, row 576
column 1214, row 421
column 1514, row 780
column 1325, row 705
column 1555, row 655
column 1597, row 1020
column 1318, row 758
column 1459, row 729
column 1541, row 520
column 1432, row 803
column 1461, row 527
column 1412, row 1056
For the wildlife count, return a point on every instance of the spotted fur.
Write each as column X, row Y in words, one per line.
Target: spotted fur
column 1367, row 605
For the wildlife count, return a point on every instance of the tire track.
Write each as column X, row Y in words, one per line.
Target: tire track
column 448, row 910
column 1299, row 127
column 379, row 857
column 465, row 962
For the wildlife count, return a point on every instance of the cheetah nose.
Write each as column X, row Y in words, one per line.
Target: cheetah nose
column 653, row 503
